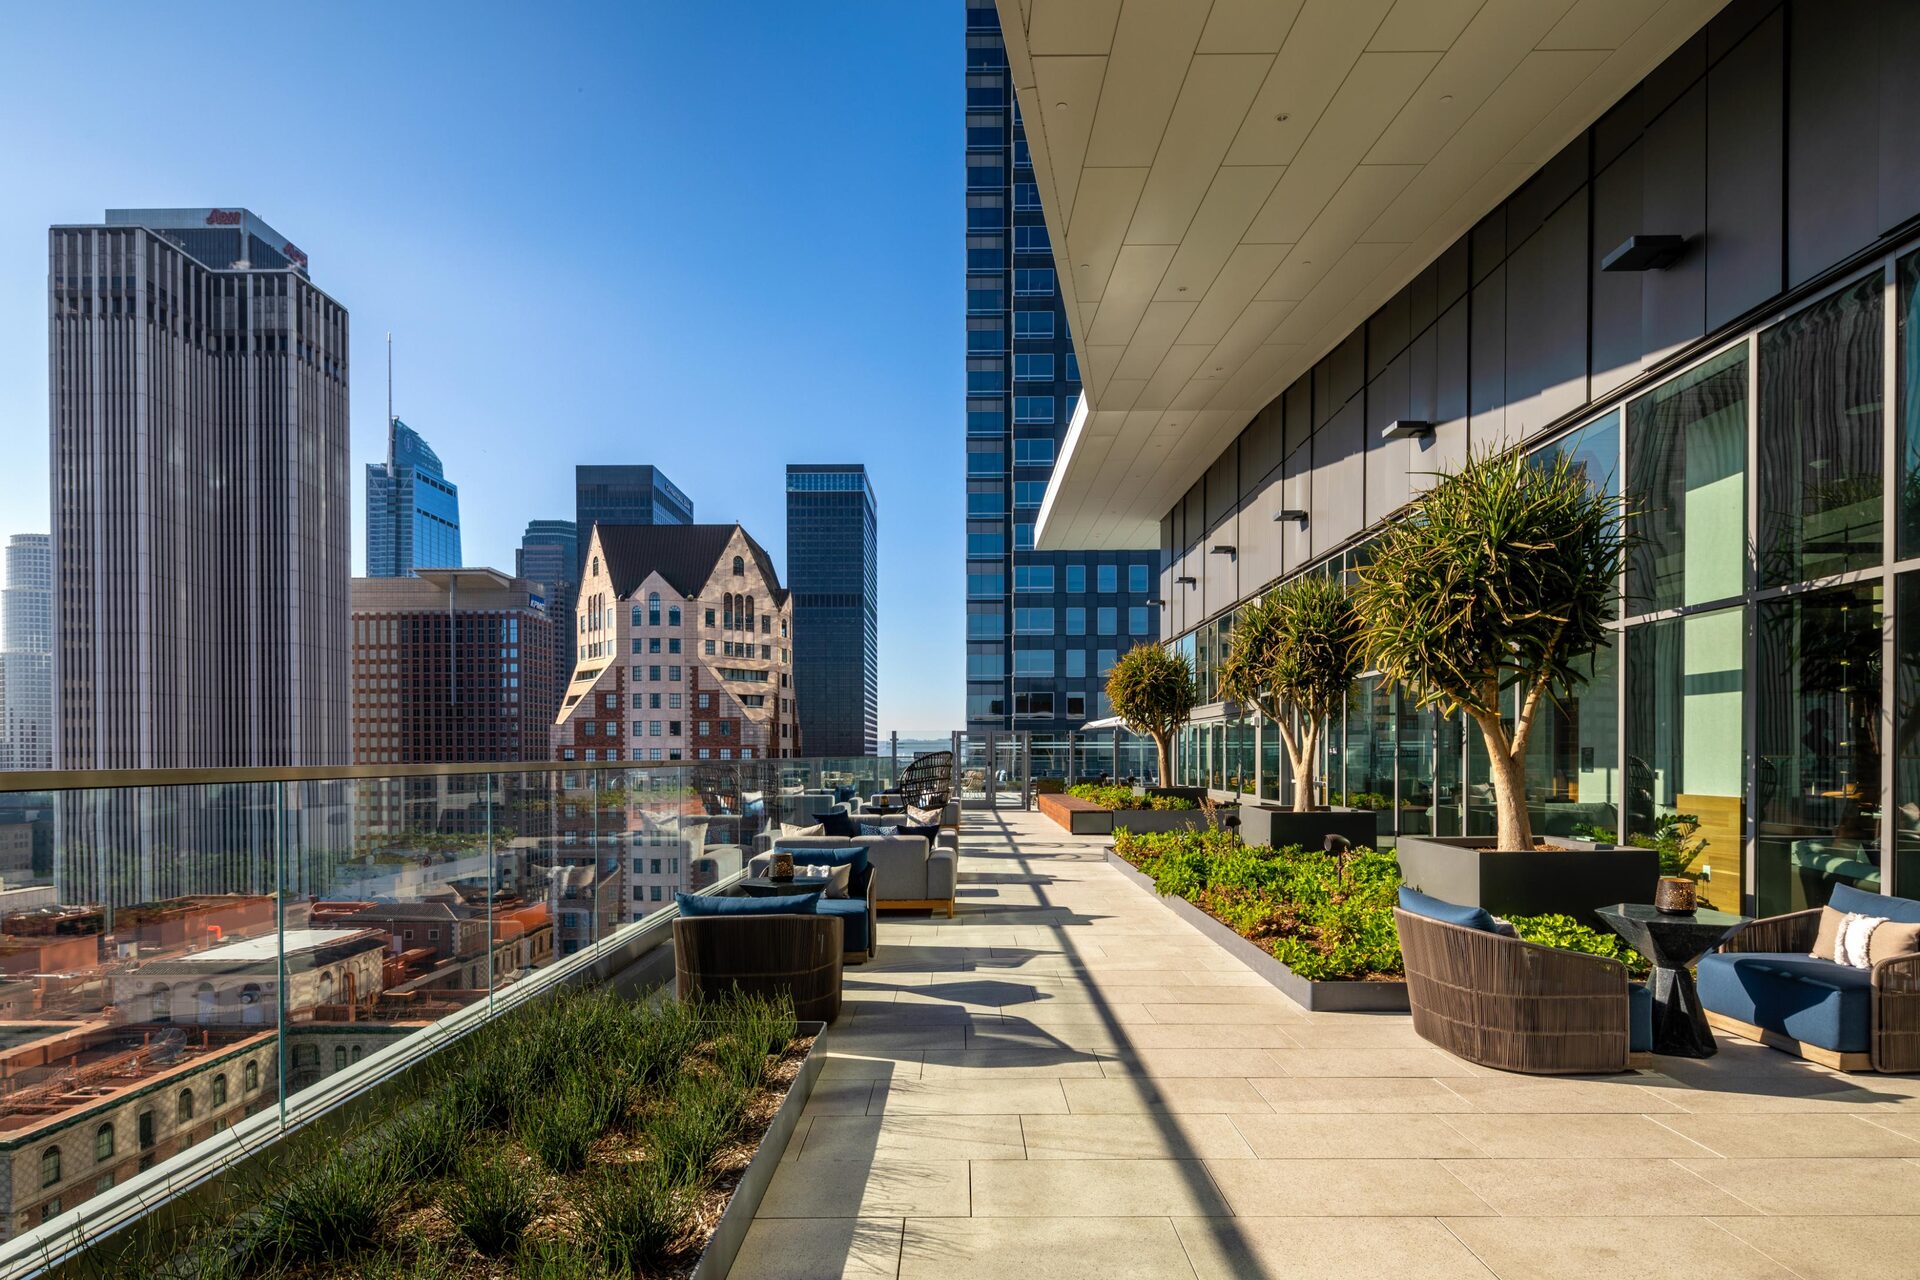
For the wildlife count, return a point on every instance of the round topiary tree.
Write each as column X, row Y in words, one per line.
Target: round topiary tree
column 1504, row 576
column 1296, row 652
column 1151, row 690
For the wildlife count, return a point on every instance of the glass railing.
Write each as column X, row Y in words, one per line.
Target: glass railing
column 181, row 954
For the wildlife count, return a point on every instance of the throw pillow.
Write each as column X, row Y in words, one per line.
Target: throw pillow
column 850, row 855
column 1416, row 903
column 1831, row 919
column 878, row 829
column 921, row 817
column 1893, row 940
column 1846, row 897
column 795, row 829
column 1855, row 931
column 838, row 824
column 909, row 829
column 835, row 877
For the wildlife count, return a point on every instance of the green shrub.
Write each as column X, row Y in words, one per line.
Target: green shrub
column 1119, row 797
column 658, row 1041
column 426, row 1141
column 332, row 1209
column 693, row 1122
column 633, row 1214
column 1324, row 918
column 1568, row 934
column 554, row 1260
column 490, row 1203
column 1360, row 799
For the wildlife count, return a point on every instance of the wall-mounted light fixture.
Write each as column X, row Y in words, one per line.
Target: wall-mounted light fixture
column 1406, row 429
column 1186, row 581
column 1156, row 600
column 1291, row 513
column 1645, row 253
column 1224, row 549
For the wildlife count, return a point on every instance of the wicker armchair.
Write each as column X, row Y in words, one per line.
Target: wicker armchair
column 762, row 955
column 927, row 782
column 1895, row 1009
column 1513, row 1005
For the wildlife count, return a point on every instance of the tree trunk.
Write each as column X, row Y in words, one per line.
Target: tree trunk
column 1162, row 744
column 1514, row 826
column 1306, row 768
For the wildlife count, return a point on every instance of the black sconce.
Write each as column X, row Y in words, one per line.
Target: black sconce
column 1645, row 253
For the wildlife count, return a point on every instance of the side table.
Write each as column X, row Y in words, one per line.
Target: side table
column 768, row 887
column 1673, row 942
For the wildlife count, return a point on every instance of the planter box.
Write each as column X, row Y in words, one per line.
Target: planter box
column 1326, row 997
column 1571, row 881
column 1278, row 828
column 1155, row 821
column 731, row 1231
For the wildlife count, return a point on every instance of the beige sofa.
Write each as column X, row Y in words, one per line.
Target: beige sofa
column 908, row 872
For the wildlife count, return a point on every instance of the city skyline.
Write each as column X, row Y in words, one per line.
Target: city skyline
column 450, row 218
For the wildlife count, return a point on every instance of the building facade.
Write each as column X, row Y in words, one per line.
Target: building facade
column 833, row 571
column 26, row 654
column 549, row 554
column 1043, row 628
column 1701, row 285
column 413, row 510
column 200, row 504
column 621, row 494
column 449, row 666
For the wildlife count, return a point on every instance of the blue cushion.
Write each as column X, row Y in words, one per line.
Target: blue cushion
column 838, row 822
column 1815, row 1001
column 853, row 921
column 1416, row 903
column 845, row 793
column 846, row 855
column 1900, row 910
column 929, row 831
column 706, row 904
column 1639, row 1018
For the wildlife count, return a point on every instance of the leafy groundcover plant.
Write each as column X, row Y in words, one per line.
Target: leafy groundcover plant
column 1568, row 934
column 1324, row 918
column 1115, row 797
column 586, row 1136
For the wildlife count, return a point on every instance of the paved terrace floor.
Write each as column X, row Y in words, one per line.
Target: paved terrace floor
column 1066, row 1080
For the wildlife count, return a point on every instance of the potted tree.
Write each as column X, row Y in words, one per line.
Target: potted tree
column 1294, row 657
column 1151, row 690
column 1488, row 599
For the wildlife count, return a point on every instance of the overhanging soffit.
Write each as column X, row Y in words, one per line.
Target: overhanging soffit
column 1231, row 187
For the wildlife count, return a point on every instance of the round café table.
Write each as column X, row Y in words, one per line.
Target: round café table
column 1673, row 942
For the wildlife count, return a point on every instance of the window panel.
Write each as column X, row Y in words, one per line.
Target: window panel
column 1686, row 478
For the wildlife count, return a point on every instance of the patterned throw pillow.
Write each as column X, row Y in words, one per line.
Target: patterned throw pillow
column 921, row 817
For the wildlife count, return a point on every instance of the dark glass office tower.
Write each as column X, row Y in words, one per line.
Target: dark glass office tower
column 549, row 553
column 1042, row 627
column 623, row 495
column 833, row 571
column 413, row 510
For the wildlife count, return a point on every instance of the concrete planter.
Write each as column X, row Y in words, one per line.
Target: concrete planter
column 1156, row 821
column 1327, row 997
column 1278, row 828
column 731, row 1231
column 1570, row 881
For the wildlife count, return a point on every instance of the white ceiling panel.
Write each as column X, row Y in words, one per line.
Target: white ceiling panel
column 1233, row 186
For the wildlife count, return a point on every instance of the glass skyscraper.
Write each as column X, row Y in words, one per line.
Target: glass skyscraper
column 833, row 571
column 413, row 510
column 1043, row 628
column 623, row 494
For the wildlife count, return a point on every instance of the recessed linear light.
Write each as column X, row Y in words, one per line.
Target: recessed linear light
column 1407, row 429
column 1291, row 513
column 1645, row 253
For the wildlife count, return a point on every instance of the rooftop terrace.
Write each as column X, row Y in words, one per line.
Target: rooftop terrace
column 1067, row 1080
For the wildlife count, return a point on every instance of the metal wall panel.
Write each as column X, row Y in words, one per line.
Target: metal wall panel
column 1833, row 136
column 1745, row 154
column 1547, row 321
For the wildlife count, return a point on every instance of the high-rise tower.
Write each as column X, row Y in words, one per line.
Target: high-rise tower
column 1042, row 627
column 26, row 654
column 833, row 573
column 621, row 494
column 413, row 510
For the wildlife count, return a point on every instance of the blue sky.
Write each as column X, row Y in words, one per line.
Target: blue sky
column 717, row 237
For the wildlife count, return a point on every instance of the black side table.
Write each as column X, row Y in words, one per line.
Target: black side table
column 1673, row 943
column 768, row 887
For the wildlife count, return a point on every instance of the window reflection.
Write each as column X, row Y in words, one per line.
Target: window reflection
column 1819, row 438
column 1817, row 746
column 1686, row 470
column 1906, row 736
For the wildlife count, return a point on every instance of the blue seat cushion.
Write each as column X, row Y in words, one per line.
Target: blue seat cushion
column 1639, row 1018
column 1817, row 1002
column 854, row 922
column 1416, row 903
column 1899, row 910
column 705, row 904
column 851, row 855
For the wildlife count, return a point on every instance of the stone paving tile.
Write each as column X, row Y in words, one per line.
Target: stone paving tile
column 820, row 1248
column 1549, row 1248
column 1833, row 1246
column 1353, row 1136
column 972, row 1097
column 1343, row 1188
column 1094, row 1188
column 1784, row 1185
column 1326, row 1249
column 867, row 1189
column 914, row 1137
column 1808, row 1134
column 1175, row 1063
column 1604, row 1136
column 1157, row 1136
column 1426, row 1062
column 1042, row 1249
column 1597, row 1188
column 1195, row 1094
column 1373, row 1093
column 1011, row 1064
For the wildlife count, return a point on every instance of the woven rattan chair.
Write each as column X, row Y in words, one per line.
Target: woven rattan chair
column 1513, row 1005
column 927, row 781
column 761, row 955
column 1895, row 1023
